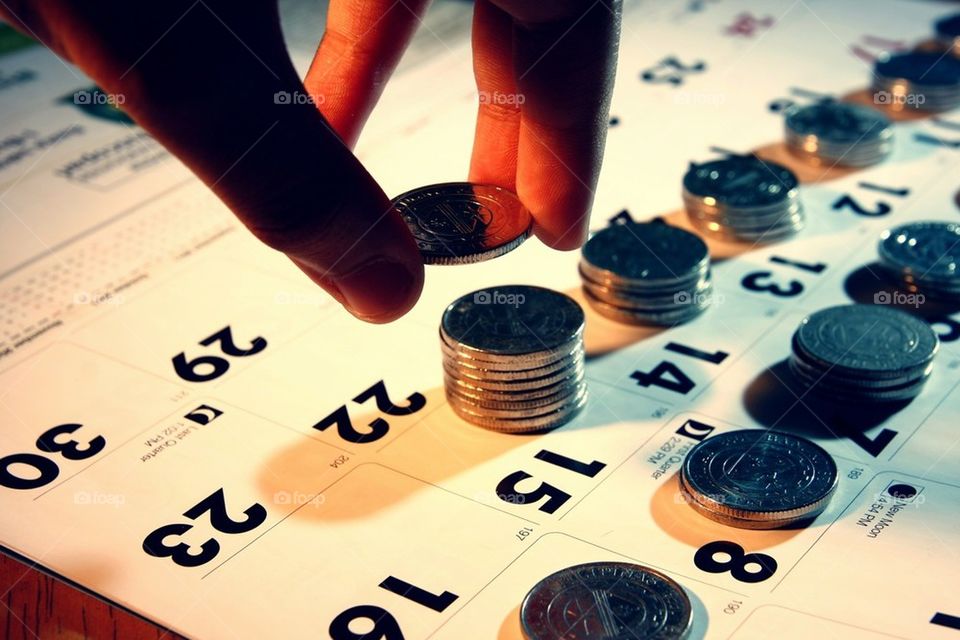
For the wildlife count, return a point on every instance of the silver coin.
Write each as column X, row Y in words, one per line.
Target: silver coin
column 923, row 252
column 814, row 371
column 606, row 601
column 838, row 123
column 459, row 222
column 863, row 339
column 679, row 314
column 632, row 289
column 925, row 68
column 517, row 410
column 840, row 390
column 461, row 354
column 839, row 133
column 644, row 254
column 515, row 400
column 922, row 80
column 741, row 182
column 536, row 423
column 764, row 476
column 480, row 370
column 574, row 371
column 513, row 320
column 631, row 299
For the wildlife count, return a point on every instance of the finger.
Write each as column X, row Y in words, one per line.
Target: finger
column 208, row 89
column 494, row 159
column 565, row 59
column 361, row 46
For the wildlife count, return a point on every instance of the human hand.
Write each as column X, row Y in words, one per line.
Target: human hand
column 202, row 77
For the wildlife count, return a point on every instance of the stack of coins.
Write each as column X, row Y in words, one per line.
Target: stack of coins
column 758, row 479
column 513, row 358
column 837, row 133
column 606, row 600
column 926, row 81
column 646, row 273
column 460, row 222
column 948, row 33
column 924, row 257
column 863, row 353
column 743, row 198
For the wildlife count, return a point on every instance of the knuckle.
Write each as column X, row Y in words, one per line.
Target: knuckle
column 500, row 112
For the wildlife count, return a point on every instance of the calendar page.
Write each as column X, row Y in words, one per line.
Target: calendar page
column 193, row 431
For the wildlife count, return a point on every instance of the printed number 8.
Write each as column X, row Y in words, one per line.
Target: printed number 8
column 705, row 559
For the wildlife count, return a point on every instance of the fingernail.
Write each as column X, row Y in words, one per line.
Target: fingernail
column 377, row 290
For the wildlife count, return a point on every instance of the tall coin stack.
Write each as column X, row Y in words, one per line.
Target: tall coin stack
column 837, row 133
column 863, row 353
column 646, row 273
column 513, row 358
column 924, row 257
column 926, row 81
column 743, row 198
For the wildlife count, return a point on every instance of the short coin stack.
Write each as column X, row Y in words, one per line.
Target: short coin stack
column 460, row 222
column 926, row 81
column 837, row 133
column 606, row 600
column 863, row 353
column 743, row 198
column 924, row 257
column 513, row 358
column 646, row 273
column 758, row 479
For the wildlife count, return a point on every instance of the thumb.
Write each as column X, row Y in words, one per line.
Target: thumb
column 218, row 89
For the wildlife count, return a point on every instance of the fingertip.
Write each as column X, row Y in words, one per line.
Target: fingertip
column 570, row 239
column 381, row 290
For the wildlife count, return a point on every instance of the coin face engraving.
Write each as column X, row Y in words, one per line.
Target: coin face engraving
column 922, row 68
column 513, row 320
column 741, row 181
column 646, row 252
column 839, row 122
column 759, row 472
column 461, row 222
column 606, row 600
column 867, row 337
column 928, row 250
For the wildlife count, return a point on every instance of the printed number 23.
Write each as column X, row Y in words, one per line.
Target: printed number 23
column 215, row 504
